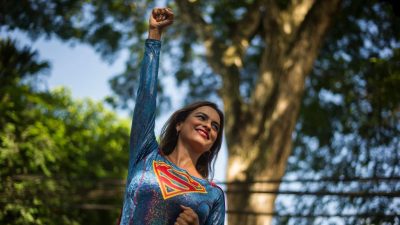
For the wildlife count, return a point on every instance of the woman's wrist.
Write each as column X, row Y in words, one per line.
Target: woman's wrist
column 154, row 34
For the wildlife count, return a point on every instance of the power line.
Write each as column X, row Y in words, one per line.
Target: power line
column 326, row 215
column 318, row 193
column 118, row 181
column 325, row 179
column 252, row 213
column 106, row 185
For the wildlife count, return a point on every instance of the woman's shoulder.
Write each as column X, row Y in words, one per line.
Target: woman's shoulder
column 216, row 189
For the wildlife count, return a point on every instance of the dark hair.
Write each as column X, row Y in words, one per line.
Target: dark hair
column 169, row 136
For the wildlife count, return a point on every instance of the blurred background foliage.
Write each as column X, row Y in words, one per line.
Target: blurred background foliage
column 55, row 150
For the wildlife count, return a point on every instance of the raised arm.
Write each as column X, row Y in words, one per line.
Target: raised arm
column 142, row 138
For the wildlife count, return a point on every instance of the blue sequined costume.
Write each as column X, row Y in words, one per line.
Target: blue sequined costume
column 155, row 186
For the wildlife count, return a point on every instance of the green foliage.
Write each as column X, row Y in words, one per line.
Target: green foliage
column 16, row 65
column 54, row 150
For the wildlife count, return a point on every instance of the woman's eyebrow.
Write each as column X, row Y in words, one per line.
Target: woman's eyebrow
column 205, row 115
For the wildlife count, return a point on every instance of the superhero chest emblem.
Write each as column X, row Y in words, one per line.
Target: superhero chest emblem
column 173, row 182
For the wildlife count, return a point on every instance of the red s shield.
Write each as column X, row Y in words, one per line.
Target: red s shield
column 173, row 182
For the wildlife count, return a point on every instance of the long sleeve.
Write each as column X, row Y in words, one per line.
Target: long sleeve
column 142, row 137
column 217, row 215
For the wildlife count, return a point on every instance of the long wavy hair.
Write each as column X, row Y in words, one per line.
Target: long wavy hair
column 169, row 137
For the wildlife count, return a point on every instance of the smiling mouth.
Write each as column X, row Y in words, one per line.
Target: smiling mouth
column 203, row 133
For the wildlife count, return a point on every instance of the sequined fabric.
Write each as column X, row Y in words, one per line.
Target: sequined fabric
column 155, row 186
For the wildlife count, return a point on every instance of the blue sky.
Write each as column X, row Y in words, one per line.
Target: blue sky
column 79, row 68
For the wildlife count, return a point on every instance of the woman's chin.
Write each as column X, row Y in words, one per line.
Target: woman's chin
column 200, row 146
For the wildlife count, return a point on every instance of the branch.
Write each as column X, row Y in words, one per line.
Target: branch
column 310, row 34
column 214, row 49
column 265, row 89
column 246, row 28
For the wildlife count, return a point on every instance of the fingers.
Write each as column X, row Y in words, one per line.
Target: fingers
column 187, row 217
column 186, row 208
column 181, row 221
column 161, row 14
column 184, row 219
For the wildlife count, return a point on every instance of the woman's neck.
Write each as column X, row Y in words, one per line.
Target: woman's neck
column 185, row 159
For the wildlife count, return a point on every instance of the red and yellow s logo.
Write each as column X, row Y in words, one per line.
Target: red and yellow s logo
column 173, row 182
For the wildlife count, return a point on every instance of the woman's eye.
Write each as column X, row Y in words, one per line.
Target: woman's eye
column 215, row 127
column 201, row 117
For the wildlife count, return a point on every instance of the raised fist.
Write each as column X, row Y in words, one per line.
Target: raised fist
column 160, row 18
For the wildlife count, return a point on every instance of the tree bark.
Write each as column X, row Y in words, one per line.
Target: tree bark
column 259, row 130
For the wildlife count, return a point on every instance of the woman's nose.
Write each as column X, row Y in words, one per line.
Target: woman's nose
column 207, row 125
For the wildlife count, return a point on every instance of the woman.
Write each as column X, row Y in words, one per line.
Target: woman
column 167, row 183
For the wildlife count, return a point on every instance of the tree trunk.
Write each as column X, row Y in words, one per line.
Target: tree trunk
column 259, row 130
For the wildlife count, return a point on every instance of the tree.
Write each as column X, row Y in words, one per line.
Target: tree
column 53, row 150
column 260, row 122
column 257, row 57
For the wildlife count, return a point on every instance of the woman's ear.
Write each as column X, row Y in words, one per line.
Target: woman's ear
column 178, row 127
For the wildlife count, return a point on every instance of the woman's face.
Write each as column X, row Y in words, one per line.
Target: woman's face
column 200, row 129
